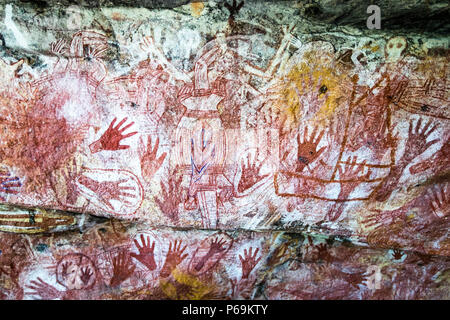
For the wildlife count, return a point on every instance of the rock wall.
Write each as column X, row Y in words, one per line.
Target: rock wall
column 224, row 149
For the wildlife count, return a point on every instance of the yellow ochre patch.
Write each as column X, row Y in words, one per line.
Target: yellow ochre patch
column 185, row 287
column 197, row 9
column 312, row 90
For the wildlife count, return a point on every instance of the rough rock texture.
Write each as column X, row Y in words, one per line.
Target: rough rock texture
column 225, row 149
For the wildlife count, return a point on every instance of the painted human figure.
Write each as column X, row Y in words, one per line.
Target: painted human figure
column 200, row 147
column 201, row 140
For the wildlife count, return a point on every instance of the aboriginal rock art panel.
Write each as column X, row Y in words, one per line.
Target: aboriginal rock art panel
column 120, row 126
column 206, row 145
column 141, row 263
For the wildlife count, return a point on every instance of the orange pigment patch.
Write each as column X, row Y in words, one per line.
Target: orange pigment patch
column 197, row 9
column 117, row 16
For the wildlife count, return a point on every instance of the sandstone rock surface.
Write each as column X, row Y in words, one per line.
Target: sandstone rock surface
column 224, row 149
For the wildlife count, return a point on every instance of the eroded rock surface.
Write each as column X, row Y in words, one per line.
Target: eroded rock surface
column 251, row 150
